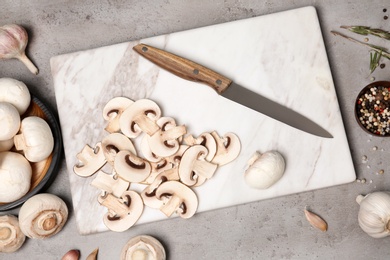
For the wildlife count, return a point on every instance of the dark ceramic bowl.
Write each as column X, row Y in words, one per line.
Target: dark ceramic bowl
column 43, row 172
column 372, row 108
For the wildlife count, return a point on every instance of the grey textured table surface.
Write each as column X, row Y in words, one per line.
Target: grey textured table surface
column 271, row 229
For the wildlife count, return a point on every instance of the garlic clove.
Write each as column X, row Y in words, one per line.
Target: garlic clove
column 93, row 254
column 316, row 221
column 13, row 42
column 73, row 254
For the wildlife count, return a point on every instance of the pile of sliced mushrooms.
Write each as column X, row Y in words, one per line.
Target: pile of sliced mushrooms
column 172, row 162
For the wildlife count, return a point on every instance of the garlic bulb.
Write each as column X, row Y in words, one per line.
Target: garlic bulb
column 13, row 42
column 264, row 170
column 374, row 213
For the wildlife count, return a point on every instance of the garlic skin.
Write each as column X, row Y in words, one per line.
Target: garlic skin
column 265, row 169
column 374, row 213
column 13, row 42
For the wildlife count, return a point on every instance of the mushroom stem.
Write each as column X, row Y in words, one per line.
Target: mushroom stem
column 171, row 205
column 204, row 168
column 19, row 142
column 111, row 202
column 174, row 133
column 147, row 125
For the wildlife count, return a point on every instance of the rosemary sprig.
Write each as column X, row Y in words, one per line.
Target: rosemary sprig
column 365, row 30
column 374, row 60
column 379, row 49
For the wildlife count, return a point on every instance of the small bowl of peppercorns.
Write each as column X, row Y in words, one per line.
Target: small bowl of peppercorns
column 372, row 108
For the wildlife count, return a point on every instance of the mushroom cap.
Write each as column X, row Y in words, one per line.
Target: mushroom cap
column 177, row 198
column 147, row 246
column 113, row 110
column 11, row 237
column 42, row 216
column 35, row 139
column 6, row 145
column 113, row 143
column 15, row 176
column 205, row 139
column 9, row 121
column 130, row 167
column 264, row 170
column 140, row 117
column 15, row 92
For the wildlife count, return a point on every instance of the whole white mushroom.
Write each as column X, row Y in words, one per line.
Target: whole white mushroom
column 11, row 237
column 16, row 93
column 9, row 121
column 15, row 176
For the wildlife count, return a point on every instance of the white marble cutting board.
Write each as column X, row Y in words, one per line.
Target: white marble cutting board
column 281, row 56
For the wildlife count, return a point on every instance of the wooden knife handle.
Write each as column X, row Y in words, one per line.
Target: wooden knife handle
column 183, row 68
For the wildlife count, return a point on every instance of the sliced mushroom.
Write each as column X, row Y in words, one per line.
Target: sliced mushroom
column 175, row 159
column 157, row 168
column 228, row 148
column 147, row 152
column 110, row 183
column 11, row 237
column 140, row 117
column 35, row 139
column 90, row 160
column 178, row 198
column 113, row 110
column 205, row 139
column 194, row 170
column 165, row 142
column 149, row 193
column 131, row 167
column 114, row 143
column 122, row 212
column 43, row 216
column 143, row 248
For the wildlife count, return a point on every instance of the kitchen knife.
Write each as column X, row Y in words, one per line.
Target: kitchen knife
column 192, row 71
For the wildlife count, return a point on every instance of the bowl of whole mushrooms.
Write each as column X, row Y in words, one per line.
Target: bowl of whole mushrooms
column 30, row 144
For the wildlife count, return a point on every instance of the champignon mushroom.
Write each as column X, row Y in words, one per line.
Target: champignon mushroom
column 228, row 148
column 90, row 160
column 143, row 248
column 131, row 167
column 113, row 110
column 11, row 237
column 194, row 170
column 15, row 176
column 178, row 198
column 149, row 193
column 16, row 93
column 6, row 145
column 147, row 152
column 9, row 121
column 122, row 212
column 165, row 141
column 157, row 168
column 35, row 139
column 205, row 139
column 110, row 183
column 115, row 142
column 42, row 216
column 140, row 117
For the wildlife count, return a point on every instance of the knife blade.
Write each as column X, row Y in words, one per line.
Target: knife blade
column 224, row 86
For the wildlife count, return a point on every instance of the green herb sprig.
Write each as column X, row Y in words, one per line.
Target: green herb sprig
column 374, row 60
column 365, row 30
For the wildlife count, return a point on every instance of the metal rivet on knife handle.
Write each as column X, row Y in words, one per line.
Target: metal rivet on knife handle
column 183, row 68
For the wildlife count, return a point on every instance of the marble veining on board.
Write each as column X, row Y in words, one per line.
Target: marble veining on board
column 280, row 56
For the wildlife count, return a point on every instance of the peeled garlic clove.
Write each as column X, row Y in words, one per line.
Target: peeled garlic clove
column 265, row 169
column 316, row 221
column 13, row 42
